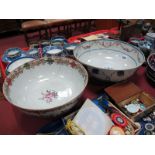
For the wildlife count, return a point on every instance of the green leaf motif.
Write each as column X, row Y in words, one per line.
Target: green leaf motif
column 27, row 66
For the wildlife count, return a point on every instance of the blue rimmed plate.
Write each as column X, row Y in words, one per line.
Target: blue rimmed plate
column 18, row 62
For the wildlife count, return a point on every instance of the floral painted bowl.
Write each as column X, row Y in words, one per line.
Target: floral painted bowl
column 17, row 62
column 52, row 51
column 46, row 87
column 108, row 59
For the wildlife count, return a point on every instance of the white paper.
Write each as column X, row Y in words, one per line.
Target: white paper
column 92, row 120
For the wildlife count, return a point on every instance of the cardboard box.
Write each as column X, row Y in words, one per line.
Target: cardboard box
column 123, row 93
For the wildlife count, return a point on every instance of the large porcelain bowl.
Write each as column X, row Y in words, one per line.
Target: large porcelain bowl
column 109, row 60
column 46, row 87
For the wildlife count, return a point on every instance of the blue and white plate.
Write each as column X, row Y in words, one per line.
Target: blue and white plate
column 52, row 51
column 11, row 54
column 18, row 62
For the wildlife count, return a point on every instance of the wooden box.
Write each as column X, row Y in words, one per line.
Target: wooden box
column 123, row 93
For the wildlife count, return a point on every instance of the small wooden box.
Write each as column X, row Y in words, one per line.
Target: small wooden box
column 123, row 93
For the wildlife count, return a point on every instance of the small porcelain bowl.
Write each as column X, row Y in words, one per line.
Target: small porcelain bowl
column 70, row 48
column 59, row 38
column 58, row 41
column 33, row 52
column 52, row 51
column 45, row 43
column 145, row 47
column 11, row 54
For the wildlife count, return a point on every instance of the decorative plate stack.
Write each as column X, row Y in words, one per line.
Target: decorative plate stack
column 150, row 71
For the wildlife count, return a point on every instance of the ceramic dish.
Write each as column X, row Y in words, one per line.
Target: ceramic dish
column 132, row 108
column 70, row 47
column 59, row 38
column 45, row 43
column 150, row 71
column 47, row 86
column 11, row 54
column 18, row 62
column 58, row 41
column 134, row 41
column 52, row 51
column 116, row 130
column 145, row 47
column 109, row 60
column 33, row 53
column 151, row 62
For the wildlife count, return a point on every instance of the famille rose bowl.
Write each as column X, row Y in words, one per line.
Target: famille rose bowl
column 49, row 86
column 108, row 59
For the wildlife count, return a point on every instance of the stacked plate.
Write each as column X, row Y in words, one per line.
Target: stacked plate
column 150, row 71
column 145, row 47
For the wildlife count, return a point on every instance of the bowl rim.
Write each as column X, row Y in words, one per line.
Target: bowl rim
column 57, row 107
column 148, row 62
column 105, row 68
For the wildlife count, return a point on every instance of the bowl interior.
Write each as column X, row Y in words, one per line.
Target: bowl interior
column 45, row 84
column 108, row 59
column 109, row 54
